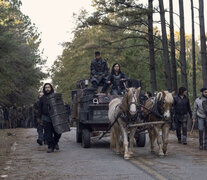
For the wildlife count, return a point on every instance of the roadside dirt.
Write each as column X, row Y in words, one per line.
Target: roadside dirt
column 7, row 138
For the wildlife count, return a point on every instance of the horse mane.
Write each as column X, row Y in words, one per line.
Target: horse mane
column 167, row 95
column 124, row 104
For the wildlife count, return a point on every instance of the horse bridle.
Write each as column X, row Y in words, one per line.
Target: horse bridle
column 134, row 117
column 161, row 106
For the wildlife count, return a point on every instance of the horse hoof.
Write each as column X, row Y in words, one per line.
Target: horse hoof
column 153, row 151
column 118, row 152
column 126, row 157
column 161, row 154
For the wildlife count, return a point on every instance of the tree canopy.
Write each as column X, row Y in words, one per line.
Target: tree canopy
column 20, row 57
column 119, row 29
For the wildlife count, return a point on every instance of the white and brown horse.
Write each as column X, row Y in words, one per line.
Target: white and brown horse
column 158, row 109
column 121, row 110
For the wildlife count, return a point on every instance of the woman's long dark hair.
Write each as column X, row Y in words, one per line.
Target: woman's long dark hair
column 113, row 71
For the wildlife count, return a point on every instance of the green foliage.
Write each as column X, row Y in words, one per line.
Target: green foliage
column 118, row 29
column 20, row 70
column 116, row 45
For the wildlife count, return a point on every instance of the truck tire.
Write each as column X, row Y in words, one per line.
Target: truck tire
column 78, row 134
column 141, row 140
column 86, row 138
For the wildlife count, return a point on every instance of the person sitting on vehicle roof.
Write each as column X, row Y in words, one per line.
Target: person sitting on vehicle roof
column 116, row 80
column 99, row 71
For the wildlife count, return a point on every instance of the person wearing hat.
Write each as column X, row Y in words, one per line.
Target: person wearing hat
column 99, row 71
column 181, row 111
column 200, row 114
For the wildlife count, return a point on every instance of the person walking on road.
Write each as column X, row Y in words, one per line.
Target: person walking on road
column 52, row 137
column 181, row 110
column 200, row 114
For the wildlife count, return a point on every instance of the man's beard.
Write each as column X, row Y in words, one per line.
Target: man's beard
column 47, row 92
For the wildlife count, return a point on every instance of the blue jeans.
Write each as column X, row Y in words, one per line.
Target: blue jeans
column 40, row 131
column 201, row 123
column 202, row 126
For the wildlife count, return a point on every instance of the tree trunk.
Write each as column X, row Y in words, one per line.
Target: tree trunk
column 151, row 48
column 184, row 80
column 203, row 43
column 167, row 70
column 172, row 43
column 193, row 52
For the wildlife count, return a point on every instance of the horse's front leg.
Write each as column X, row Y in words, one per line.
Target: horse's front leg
column 165, row 133
column 125, row 141
column 152, row 136
column 159, row 140
column 131, row 140
column 117, row 137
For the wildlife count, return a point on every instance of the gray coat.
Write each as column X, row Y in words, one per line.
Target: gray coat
column 199, row 109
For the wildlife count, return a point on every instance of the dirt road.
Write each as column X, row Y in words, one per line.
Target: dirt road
column 27, row 160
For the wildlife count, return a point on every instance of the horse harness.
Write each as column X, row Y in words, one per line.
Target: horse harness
column 122, row 114
column 157, row 108
column 133, row 119
column 126, row 115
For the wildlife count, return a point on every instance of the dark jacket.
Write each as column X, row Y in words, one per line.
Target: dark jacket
column 182, row 106
column 99, row 67
column 116, row 85
column 44, row 106
column 43, row 103
column 36, row 108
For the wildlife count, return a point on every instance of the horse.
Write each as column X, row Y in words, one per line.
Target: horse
column 122, row 111
column 158, row 108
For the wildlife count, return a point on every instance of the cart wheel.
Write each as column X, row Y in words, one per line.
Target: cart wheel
column 141, row 140
column 78, row 134
column 86, row 138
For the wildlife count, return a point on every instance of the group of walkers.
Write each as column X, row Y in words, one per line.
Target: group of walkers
column 16, row 117
column 181, row 111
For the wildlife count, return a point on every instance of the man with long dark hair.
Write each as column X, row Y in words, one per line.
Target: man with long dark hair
column 52, row 137
column 200, row 114
column 181, row 110
column 116, row 80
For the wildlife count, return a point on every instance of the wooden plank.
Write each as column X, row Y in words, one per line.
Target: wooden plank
column 147, row 123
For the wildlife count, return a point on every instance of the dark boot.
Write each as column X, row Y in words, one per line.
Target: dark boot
column 94, row 84
column 39, row 142
column 178, row 131
column 104, row 88
column 201, row 140
column 184, row 140
column 57, row 147
column 50, row 150
column 201, row 147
